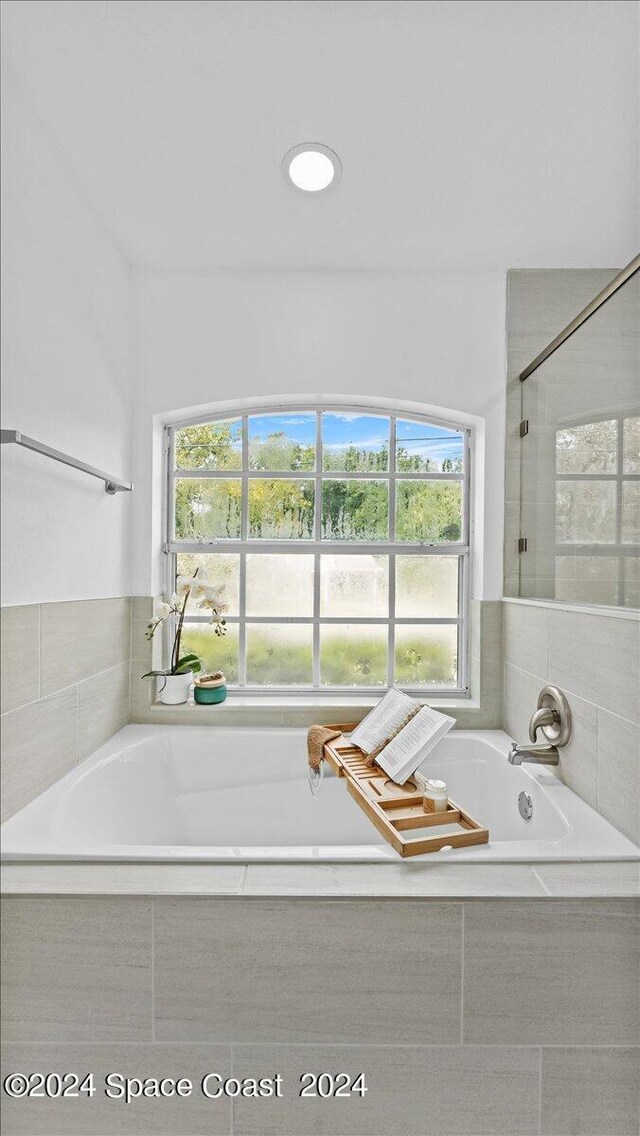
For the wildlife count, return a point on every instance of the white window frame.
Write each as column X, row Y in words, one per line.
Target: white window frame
column 317, row 546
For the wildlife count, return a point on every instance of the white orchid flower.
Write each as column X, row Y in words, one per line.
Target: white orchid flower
column 163, row 610
column 183, row 585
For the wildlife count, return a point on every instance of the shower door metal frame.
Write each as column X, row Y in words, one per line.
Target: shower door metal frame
column 590, row 310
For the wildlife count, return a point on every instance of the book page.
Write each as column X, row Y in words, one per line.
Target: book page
column 383, row 720
column 405, row 752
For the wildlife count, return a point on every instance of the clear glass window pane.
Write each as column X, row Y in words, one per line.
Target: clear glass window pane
column 590, row 448
column 585, row 512
column 210, row 445
column 631, row 445
column 216, row 653
column 355, row 510
column 279, row 584
column 353, row 655
column 279, row 654
column 282, row 442
column 208, row 509
column 587, row 579
column 427, row 587
column 281, row 510
column 428, row 511
column 426, row 656
column 421, row 448
column 631, row 512
column 216, row 568
column 355, row 443
column 354, row 586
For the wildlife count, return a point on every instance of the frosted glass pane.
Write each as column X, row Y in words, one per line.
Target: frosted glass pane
column 585, row 512
column 355, row 443
column 426, row 586
column 354, row 586
column 215, row 653
column 353, row 655
column 428, row 511
column 423, row 448
column 587, row 579
column 426, row 656
column 210, row 445
column 355, row 510
column 280, row 585
column 281, row 510
column 279, row 655
column 631, row 592
column 282, row 441
column 208, row 509
column 631, row 445
column 590, row 448
column 631, row 512
column 216, row 568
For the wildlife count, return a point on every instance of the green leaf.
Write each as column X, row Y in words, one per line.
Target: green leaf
column 188, row 662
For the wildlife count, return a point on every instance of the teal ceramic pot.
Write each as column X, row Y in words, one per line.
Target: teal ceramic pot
column 208, row 695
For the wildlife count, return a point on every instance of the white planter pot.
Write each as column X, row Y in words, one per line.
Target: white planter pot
column 174, row 689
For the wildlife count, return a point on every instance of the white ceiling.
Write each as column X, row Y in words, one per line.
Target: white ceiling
column 472, row 134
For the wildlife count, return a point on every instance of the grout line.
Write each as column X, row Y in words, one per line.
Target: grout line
column 540, row 1091
column 234, row 1045
column 77, row 758
column 153, row 971
column 233, row 1099
column 40, row 667
column 130, row 652
column 597, row 804
column 63, row 689
column 462, row 978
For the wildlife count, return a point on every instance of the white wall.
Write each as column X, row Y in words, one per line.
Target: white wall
column 431, row 339
column 66, row 379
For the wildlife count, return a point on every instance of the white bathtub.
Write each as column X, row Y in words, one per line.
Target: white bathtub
column 223, row 794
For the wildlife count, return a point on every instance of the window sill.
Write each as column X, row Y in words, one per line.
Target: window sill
column 278, row 710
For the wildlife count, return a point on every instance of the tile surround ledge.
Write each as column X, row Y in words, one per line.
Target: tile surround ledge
column 280, row 710
column 549, row 881
column 580, row 609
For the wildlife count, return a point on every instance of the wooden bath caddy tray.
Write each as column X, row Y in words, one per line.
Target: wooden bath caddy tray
column 397, row 811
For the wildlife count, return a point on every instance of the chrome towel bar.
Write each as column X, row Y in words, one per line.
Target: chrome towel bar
column 112, row 484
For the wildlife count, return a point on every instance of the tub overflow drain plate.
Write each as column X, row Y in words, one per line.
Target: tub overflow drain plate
column 525, row 806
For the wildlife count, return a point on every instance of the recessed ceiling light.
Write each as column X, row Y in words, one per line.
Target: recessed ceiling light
column 312, row 167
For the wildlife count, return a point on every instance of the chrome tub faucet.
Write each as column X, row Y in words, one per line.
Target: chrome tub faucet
column 553, row 718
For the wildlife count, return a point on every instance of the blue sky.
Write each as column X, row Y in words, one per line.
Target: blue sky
column 362, row 430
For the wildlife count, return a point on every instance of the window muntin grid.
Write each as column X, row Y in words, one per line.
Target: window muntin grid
column 614, row 472
column 245, row 470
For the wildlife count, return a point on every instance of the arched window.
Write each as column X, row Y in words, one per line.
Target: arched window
column 342, row 536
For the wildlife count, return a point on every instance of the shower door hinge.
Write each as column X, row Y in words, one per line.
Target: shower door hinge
column 522, row 544
column 165, row 547
column 524, row 427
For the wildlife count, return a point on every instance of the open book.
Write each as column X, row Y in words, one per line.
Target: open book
column 421, row 729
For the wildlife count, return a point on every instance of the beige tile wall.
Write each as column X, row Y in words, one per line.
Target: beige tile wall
column 492, row 1017
column 595, row 659
column 65, row 689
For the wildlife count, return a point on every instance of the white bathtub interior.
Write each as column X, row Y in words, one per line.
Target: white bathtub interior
column 232, row 793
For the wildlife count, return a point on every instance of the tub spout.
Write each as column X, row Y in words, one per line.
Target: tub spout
column 539, row 752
